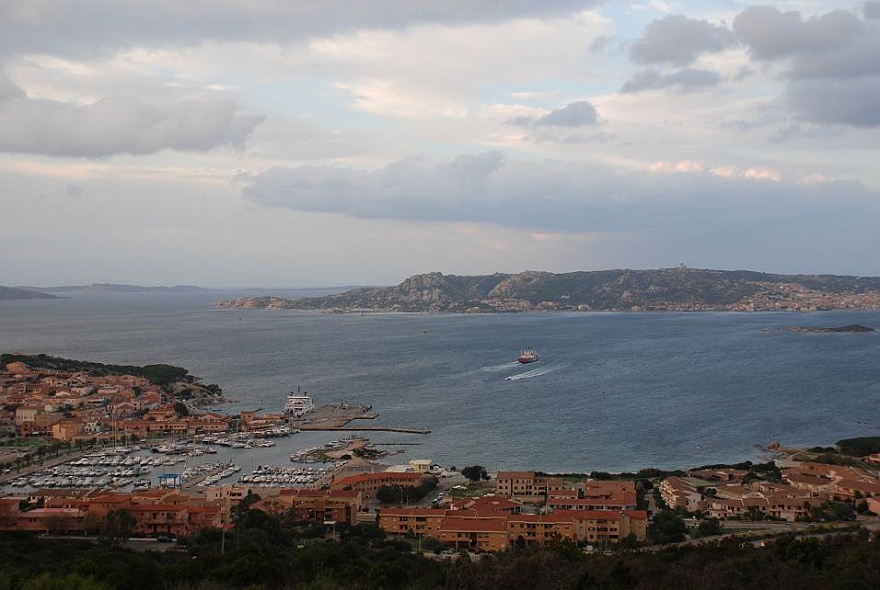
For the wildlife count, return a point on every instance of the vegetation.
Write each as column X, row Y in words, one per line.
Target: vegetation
column 404, row 494
column 667, row 527
column 860, row 446
column 475, row 472
column 156, row 374
column 670, row 288
column 265, row 553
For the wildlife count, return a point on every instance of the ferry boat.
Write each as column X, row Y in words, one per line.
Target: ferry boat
column 528, row 355
column 298, row 405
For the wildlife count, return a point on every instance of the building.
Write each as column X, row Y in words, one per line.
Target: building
column 496, row 530
column 527, row 486
column 319, row 506
column 369, row 483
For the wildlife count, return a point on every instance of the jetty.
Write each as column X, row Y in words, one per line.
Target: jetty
column 338, row 417
column 369, row 429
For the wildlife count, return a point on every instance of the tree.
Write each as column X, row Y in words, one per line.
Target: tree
column 708, row 527
column 118, row 526
column 475, row 472
column 181, row 410
column 668, row 527
column 242, row 508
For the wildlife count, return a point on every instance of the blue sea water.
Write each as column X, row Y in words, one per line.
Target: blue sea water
column 613, row 391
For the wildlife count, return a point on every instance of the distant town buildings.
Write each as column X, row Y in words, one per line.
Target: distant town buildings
column 526, row 508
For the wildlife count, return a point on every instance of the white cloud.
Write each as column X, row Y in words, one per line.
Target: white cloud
column 112, row 126
column 721, row 146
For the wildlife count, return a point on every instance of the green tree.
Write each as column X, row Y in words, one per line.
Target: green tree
column 667, row 527
column 181, row 410
column 475, row 472
column 47, row 581
column 242, row 508
column 118, row 526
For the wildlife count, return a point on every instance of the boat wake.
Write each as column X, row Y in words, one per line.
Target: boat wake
column 533, row 373
column 498, row 368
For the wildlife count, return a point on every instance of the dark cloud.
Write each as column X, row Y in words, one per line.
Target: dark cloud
column 576, row 114
column 8, row 89
column 93, row 26
column 770, row 34
column 114, row 125
column 871, row 10
column 845, row 102
column 833, row 70
column 679, row 41
column 572, row 197
column 686, row 79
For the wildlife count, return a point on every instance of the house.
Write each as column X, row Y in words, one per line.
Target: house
column 322, row 505
column 369, row 483
column 527, row 486
column 497, row 530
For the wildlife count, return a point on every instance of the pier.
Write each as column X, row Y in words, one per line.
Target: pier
column 337, row 417
column 367, row 429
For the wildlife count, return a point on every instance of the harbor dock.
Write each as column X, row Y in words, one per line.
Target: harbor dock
column 334, row 417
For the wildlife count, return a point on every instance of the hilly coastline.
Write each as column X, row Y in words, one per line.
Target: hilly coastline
column 11, row 293
column 673, row 289
column 117, row 288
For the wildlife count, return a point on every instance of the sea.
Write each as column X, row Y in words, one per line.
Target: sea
column 612, row 392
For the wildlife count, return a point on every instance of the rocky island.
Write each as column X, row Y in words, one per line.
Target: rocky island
column 852, row 328
column 673, row 289
column 10, row 293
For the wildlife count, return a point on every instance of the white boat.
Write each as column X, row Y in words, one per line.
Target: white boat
column 298, row 405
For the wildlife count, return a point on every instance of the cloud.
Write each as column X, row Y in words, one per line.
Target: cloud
column 74, row 190
column 576, row 114
column 556, row 196
column 8, row 88
column 89, row 27
column 678, row 40
column 771, row 34
column 832, row 70
column 849, row 102
column 685, row 80
column 871, row 10
column 117, row 125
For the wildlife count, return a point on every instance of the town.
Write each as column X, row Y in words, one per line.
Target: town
column 76, row 420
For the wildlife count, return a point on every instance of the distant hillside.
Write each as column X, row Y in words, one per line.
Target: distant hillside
column 113, row 288
column 608, row 290
column 9, row 293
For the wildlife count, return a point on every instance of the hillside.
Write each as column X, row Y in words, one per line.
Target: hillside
column 10, row 293
column 117, row 288
column 608, row 290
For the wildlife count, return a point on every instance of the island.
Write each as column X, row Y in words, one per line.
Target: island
column 118, row 288
column 672, row 289
column 852, row 329
column 11, row 293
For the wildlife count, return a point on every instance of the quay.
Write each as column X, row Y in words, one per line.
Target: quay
column 335, row 417
column 368, row 429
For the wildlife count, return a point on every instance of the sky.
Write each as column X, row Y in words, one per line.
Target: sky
column 275, row 143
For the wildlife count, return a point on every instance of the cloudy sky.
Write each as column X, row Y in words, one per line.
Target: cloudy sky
column 279, row 143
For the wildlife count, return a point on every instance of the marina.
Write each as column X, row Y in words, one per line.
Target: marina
column 186, row 465
column 646, row 389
